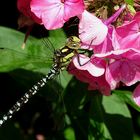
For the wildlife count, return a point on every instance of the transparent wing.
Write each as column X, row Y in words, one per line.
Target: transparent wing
column 31, row 58
column 36, row 56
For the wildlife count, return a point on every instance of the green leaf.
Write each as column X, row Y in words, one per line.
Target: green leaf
column 69, row 134
column 74, row 99
column 35, row 56
column 97, row 117
column 131, row 9
column 117, row 118
column 12, row 56
column 129, row 2
column 58, row 38
column 93, row 116
column 126, row 96
column 83, row 111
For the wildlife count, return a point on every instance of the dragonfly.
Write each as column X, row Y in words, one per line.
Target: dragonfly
column 61, row 59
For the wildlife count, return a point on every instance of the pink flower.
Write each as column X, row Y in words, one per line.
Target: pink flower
column 128, row 35
column 110, row 69
column 95, row 67
column 123, row 66
column 92, row 31
column 95, row 83
column 24, row 7
column 54, row 13
column 108, row 44
column 101, row 37
column 136, row 95
column 137, row 16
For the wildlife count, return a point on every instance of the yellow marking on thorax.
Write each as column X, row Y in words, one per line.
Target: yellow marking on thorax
column 68, row 57
column 68, row 51
column 66, row 60
column 64, row 50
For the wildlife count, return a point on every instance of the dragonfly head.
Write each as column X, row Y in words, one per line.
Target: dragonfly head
column 73, row 42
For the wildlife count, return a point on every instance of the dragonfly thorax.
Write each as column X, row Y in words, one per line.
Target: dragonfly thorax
column 64, row 55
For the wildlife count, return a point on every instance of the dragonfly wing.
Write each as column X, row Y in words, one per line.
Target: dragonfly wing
column 28, row 59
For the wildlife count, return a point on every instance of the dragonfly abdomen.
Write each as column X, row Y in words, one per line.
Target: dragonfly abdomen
column 52, row 73
column 62, row 58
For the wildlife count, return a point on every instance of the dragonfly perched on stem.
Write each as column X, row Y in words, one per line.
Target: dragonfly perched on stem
column 62, row 57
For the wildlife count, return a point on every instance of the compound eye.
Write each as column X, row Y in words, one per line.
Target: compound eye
column 71, row 39
column 74, row 45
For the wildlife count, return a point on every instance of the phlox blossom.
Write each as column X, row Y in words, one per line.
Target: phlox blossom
column 111, row 68
column 122, row 66
column 83, row 62
column 95, row 83
column 94, row 31
column 100, row 36
column 128, row 35
column 108, row 44
column 54, row 13
column 136, row 95
column 24, row 7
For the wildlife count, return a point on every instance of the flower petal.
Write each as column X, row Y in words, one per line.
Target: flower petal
column 55, row 13
column 73, row 8
column 95, row 83
column 24, row 7
column 112, row 74
column 136, row 95
column 83, row 62
column 51, row 12
column 91, row 29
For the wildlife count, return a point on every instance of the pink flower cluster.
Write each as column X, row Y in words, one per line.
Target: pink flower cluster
column 116, row 50
column 116, row 53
